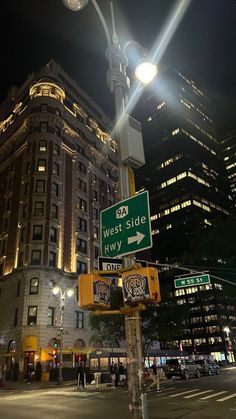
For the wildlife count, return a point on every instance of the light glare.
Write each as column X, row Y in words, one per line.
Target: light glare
column 75, row 5
column 70, row 292
column 56, row 290
column 146, row 72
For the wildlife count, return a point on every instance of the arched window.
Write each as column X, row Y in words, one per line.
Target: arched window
column 79, row 343
column 34, row 286
column 11, row 346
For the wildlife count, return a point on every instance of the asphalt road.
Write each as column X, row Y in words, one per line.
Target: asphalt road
column 204, row 398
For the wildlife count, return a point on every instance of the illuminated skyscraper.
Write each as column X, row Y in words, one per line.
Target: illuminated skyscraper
column 184, row 173
column 229, row 153
column 58, row 170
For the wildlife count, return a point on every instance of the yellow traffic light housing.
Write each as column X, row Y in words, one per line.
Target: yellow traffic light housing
column 141, row 285
column 94, row 291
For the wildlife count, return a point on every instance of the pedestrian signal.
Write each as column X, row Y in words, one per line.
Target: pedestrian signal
column 94, row 291
column 141, row 285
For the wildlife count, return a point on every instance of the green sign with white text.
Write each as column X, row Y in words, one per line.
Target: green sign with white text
column 126, row 226
column 192, row 280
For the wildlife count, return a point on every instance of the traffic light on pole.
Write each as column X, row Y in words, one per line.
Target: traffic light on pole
column 141, row 285
column 94, row 291
column 56, row 343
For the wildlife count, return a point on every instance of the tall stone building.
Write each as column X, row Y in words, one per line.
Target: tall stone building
column 57, row 171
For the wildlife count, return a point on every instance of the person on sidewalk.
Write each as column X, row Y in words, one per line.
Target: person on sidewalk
column 113, row 375
column 116, row 370
column 154, row 368
column 81, row 374
column 122, row 376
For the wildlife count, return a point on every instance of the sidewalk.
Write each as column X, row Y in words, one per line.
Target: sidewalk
column 40, row 385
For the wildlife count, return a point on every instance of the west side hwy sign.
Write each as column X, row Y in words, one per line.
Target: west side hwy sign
column 126, row 226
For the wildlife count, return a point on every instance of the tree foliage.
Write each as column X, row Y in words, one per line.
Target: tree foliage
column 109, row 330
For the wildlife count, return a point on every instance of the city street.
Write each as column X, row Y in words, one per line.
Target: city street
column 207, row 397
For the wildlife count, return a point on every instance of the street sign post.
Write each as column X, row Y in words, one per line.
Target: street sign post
column 192, row 280
column 126, row 226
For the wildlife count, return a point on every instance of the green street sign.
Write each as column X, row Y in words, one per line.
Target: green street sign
column 192, row 280
column 126, row 226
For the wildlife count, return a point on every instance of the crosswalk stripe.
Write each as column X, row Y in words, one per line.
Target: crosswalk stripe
column 227, row 397
column 213, row 395
column 198, row 394
column 184, row 392
column 169, row 389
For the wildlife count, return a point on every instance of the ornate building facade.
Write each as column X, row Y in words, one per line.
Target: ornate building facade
column 57, row 171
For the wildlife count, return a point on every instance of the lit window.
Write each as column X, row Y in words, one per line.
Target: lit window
column 176, row 131
column 42, row 145
column 95, row 232
column 32, row 316
column 34, row 286
column 41, row 166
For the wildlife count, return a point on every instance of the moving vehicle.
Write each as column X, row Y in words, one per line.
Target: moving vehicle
column 181, row 368
column 207, row 366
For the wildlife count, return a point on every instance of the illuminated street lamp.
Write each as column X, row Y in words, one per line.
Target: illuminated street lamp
column 226, row 329
column 69, row 292
column 118, row 82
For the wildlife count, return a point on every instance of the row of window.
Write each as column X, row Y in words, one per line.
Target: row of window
column 36, row 258
column 37, row 233
column 43, row 147
column 33, row 313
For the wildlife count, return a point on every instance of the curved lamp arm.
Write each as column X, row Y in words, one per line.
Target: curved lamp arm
column 103, row 21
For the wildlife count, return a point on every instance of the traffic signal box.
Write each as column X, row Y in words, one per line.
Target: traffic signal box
column 141, row 285
column 94, row 291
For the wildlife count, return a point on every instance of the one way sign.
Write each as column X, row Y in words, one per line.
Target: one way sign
column 109, row 264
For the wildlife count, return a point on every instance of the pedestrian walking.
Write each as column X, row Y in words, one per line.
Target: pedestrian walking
column 154, row 368
column 122, row 376
column 113, row 375
column 116, row 370
column 81, row 375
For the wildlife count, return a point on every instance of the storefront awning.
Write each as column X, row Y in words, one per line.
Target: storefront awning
column 69, row 350
column 44, row 356
column 30, row 343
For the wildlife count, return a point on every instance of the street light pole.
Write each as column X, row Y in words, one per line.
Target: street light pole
column 118, row 83
column 62, row 307
column 62, row 293
column 226, row 329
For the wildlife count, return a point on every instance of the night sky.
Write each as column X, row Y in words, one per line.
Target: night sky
column 203, row 47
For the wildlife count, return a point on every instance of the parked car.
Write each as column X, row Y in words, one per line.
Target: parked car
column 181, row 368
column 207, row 366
